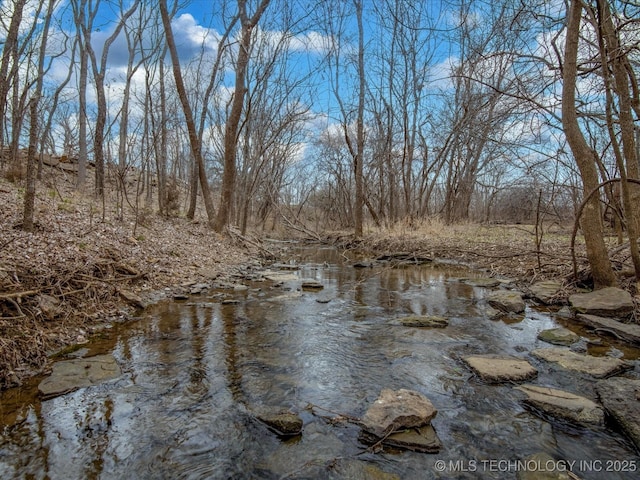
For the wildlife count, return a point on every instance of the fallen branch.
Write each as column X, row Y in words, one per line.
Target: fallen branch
column 28, row 293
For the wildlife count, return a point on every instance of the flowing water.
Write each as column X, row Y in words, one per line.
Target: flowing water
column 194, row 370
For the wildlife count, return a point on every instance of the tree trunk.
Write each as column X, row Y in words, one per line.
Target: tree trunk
column 188, row 114
column 358, row 159
column 30, row 191
column 10, row 43
column 591, row 223
column 233, row 122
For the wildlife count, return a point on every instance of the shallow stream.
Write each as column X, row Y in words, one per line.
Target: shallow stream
column 194, row 370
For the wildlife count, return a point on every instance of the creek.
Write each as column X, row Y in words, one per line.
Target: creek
column 193, row 371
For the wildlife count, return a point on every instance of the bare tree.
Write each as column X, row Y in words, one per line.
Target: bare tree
column 34, row 130
column 9, row 60
column 233, row 122
column 585, row 157
column 99, row 70
column 196, row 147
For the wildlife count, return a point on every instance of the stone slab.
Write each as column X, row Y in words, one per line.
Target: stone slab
column 563, row 405
column 545, row 291
column 621, row 399
column 606, row 302
column 70, row 375
column 508, row 301
column 559, row 336
column 629, row 332
column 500, row 368
column 598, row 367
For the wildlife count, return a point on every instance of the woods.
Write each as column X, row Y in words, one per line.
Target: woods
column 334, row 115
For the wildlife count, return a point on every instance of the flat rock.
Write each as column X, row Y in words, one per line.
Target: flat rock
column 419, row 439
column 563, row 405
column 559, row 336
column 508, row 301
column 427, row 321
column 606, row 302
column 500, row 368
column 311, row 285
column 629, row 332
column 545, row 291
column 621, row 399
column 280, row 276
column 69, row 375
column 484, row 282
column 397, row 410
column 598, row 367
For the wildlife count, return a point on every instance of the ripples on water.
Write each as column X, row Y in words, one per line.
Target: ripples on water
column 193, row 371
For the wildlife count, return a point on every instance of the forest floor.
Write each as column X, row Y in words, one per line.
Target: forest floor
column 84, row 267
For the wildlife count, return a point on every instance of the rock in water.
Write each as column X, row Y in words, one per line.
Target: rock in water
column 542, row 466
column 563, row 405
column 628, row 332
column 420, row 439
column 70, row 375
column 282, row 422
column 545, row 291
column 619, row 396
column 401, row 419
column 598, row 367
column 559, row 336
column 482, row 282
column 311, row 285
column 507, row 301
column 398, row 410
column 425, row 321
column 606, row 302
column 500, row 368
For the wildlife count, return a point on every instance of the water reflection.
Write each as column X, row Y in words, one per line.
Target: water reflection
column 194, row 371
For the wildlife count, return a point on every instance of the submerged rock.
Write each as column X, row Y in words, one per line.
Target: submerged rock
column 418, row 439
column 500, row 368
column 621, row 399
column 606, row 302
column 559, row 336
column 282, row 422
column 428, row 321
column 545, row 291
column 508, row 301
column 542, row 466
column 563, row 405
column 598, row 367
column 628, row 332
column 70, row 375
column 357, row 470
